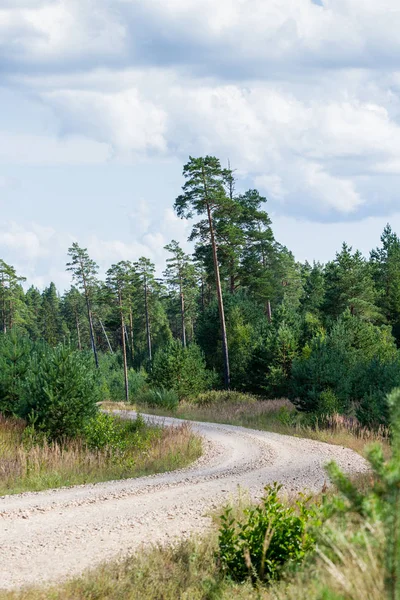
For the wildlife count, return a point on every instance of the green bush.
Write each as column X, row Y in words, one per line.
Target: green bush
column 328, row 403
column 15, row 353
column 101, row 432
column 159, row 398
column 60, row 392
column 181, row 369
column 270, row 537
column 217, row 397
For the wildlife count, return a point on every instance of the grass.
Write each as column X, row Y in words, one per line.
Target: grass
column 279, row 416
column 29, row 464
column 189, row 570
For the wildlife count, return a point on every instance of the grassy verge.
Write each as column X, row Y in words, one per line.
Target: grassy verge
column 31, row 464
column 278, row 416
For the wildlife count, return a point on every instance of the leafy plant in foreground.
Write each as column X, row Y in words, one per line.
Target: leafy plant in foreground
column 270, row 537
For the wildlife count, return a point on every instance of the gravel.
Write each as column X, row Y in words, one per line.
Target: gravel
column 52, row 535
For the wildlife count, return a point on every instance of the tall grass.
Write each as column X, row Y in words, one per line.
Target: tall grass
column 27, row 464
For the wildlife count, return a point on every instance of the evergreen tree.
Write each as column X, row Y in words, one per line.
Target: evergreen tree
column 385, row 262
column 118, row 279
column 349, row 285
column 51, row 326
column 180, row 277
column 11, row 296
column 84, row 271
column 203, row 194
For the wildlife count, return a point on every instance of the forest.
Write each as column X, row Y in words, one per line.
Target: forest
column 240, row 313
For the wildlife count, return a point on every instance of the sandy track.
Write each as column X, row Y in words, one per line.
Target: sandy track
column 50, row 535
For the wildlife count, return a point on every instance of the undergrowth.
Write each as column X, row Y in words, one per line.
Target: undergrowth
column 114, row 449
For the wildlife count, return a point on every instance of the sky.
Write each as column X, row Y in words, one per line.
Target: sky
column 103, row 101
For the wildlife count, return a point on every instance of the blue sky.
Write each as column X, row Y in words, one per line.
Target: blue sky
column 102, row 101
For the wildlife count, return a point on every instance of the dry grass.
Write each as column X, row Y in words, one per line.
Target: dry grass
column 29, row 466
column 279, row 416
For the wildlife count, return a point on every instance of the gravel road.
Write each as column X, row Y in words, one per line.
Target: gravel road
column 51, row 535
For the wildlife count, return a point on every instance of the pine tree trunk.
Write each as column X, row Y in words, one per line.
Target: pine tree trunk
column 124, row 349
column 269, row 311
column 106, row 336
column 146, row 307
column 183, row 315
column 78, row 332
column 92, row 340
column 227, row 379
column 131, row 331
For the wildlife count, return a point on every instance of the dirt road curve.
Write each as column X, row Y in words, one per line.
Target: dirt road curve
column 55, row 534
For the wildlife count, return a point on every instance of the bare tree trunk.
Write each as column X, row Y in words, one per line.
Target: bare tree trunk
column 106, row 336
column 227, row 378
column 146, row 307
column 92, row 340
column 183, row 314
column 78, row 332
column 124, row 347
column 131, row 331
column 269, row 311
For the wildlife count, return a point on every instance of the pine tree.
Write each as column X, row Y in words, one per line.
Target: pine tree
column 204, row 194
column 84, row 271
column 385, row 263
column 118, row 281
column 180, row 276
column 51, row 325
column 349, row 285
column 11, row 296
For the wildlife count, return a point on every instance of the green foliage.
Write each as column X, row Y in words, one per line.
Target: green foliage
column 15, row 352
column 380, row 502
column 101, row 432
column 180, row 369
column 158, row 398
column 106, row 431
column 270, row 537
column 112, row 379
column 356, row 360
column 60, row 392
column 328, row 403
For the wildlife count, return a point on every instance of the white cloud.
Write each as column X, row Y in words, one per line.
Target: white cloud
column 26, row 149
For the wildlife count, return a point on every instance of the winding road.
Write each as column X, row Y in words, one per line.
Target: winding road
column 55, row 534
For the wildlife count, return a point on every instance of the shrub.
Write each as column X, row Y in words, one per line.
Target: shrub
column 328, row 403
column 101, row 431
column 159, row 398
column 181, row 369
column 217, row 397
column 15, row 352
column 60, row 392
column 270, row 537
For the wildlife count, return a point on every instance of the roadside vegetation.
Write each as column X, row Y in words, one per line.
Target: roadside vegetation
column 343, row 545
column 52, row 433
column 113, row 449
column 278, row 416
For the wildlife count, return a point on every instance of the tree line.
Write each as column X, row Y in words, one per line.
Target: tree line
column 325, row 335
